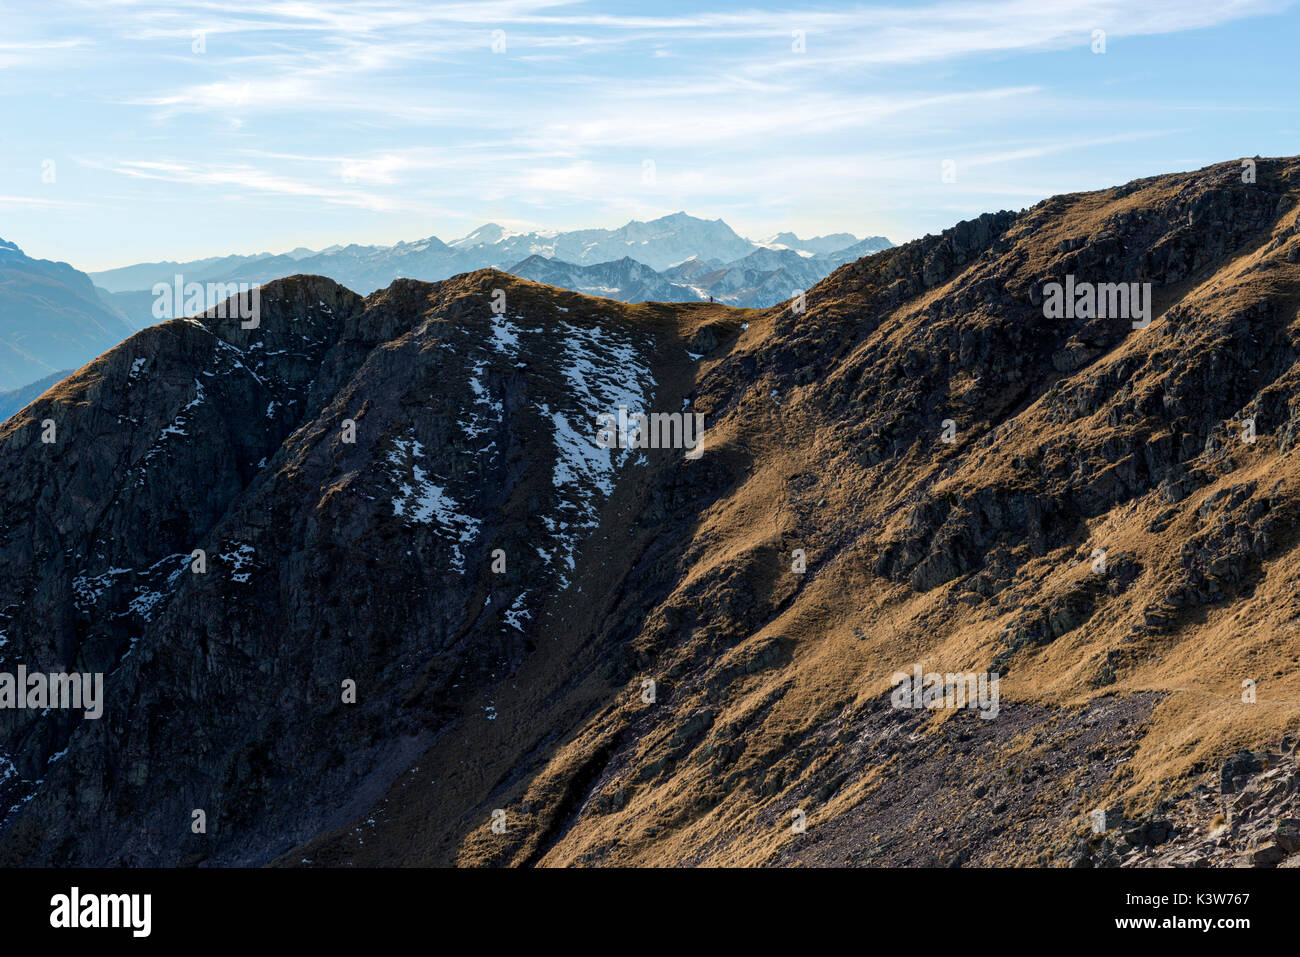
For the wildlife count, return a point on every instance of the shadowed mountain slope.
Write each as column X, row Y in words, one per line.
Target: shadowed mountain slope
column 326, row 559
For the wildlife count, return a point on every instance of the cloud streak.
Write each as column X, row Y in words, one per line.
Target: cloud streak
column 374, row 114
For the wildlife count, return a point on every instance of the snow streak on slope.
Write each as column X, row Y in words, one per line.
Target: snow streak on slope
column 420, row 500
column 488, row 412
column 603, row 370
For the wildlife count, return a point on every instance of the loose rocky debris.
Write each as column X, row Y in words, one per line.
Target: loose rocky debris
column 1247, row 814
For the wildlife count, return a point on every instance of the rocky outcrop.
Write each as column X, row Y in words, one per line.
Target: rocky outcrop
column 1248, row 817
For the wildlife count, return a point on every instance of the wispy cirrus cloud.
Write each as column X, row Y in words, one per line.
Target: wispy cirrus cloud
column 347, row 116
column 37, row 202
column 238, row 176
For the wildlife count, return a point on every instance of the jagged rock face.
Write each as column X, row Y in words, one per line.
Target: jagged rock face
column 349, row 468
column 926, row 466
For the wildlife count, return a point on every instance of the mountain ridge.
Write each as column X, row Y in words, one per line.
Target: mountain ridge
column 684, row 654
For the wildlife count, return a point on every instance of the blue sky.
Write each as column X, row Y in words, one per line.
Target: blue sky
column 311, row 123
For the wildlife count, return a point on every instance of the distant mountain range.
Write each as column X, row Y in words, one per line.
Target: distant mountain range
column 51, row 318
column 763, row 278
column 676, row 258
column 54, row 318
column 11, row 400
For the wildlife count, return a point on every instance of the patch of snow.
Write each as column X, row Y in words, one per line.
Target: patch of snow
column 419, row 499
column 518, row 612
column 603, row 370
column 505, row 337
column 240, row 558
column 87, row 590
column 175, row 427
